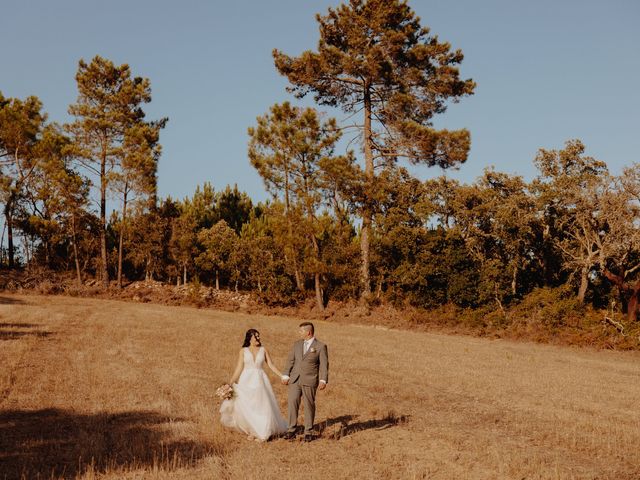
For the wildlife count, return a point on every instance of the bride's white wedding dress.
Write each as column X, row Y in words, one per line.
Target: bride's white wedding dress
column 253, row 409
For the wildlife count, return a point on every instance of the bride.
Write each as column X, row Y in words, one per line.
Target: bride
column 253, row 408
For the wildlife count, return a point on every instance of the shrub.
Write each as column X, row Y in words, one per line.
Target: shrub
column 279, row 291
column 552, row 307
column 47, row 287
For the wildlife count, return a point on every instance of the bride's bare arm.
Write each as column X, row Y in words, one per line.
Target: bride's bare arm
column 271, row 365
column 239, row 367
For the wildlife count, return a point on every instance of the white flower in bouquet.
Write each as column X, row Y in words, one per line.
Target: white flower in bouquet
column 225, row 392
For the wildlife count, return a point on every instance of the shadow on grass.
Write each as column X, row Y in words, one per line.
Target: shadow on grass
column 338, row 427
column 56, row 443
column 14, row 331
column 342, row 420
column 10, row 301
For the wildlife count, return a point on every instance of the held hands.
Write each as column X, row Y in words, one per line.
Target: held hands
column 285, row 381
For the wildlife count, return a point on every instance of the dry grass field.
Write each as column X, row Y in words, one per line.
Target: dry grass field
column 108, row 389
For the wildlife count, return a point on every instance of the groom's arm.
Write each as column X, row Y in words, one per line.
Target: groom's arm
column 289, row 365
column 324, row 365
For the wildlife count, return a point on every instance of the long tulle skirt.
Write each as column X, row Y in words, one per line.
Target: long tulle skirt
column 253, row 409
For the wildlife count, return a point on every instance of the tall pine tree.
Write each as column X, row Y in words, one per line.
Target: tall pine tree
column 108, row 107
column 375, row 59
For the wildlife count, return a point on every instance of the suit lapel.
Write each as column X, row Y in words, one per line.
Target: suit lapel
column 310, row 347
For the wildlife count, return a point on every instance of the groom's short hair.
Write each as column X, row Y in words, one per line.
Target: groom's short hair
column 308, row 326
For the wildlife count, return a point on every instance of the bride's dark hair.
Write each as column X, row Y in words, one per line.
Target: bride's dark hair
column 247, row 337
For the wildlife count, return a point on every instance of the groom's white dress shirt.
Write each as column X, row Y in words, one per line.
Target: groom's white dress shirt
column 305, row 349
column 307, row 344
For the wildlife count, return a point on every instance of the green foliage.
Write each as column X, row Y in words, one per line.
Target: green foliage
column 552, row 307
column 201, row 207
column 111, row 138
column 340, row 256
column 499, row 254
column 291, row 148
column 147, row 247
column 21, row 126
column 218, row 244
column 462, row 274
column 422, row 266
column 261, row 262
column 432, row 268
column 375, row 54
column 374, row 59
column 233, row 207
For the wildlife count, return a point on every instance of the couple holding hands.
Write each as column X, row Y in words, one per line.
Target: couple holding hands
column 252, row 407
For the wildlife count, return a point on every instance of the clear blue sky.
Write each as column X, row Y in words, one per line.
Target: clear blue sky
column 547, row 71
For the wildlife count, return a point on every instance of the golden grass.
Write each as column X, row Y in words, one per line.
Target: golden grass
column 105, row 389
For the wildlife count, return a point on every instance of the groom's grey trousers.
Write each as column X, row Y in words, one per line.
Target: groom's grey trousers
column 308, row 394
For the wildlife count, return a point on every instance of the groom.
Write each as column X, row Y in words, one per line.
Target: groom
column 307, row 370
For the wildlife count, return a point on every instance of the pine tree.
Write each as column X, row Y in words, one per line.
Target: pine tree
column 138, row 172
column 287, row 148
column 21, row 124
column 218, row 243
column 109, row 105
column 59, row 194
column 375, row 58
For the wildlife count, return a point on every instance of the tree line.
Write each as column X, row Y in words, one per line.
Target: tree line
column 339, row 225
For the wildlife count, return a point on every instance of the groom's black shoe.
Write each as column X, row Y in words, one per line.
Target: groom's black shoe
column 289, row 435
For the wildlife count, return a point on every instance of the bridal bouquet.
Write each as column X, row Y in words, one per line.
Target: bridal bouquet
column 225, row 392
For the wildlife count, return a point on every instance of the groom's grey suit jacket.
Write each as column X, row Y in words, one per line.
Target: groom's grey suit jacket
column 308, row 368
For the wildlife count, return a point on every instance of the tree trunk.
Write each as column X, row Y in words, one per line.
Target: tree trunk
column 184, row 275
column 74, row 236
column 4, row 226
column 296, row 272
column 148, row 274
column 584, row 284
column 496, row 295
column 9, row 222
column 632, row 307
column 316, row 277
column 121, row 240
column 366, row 210
column 47, row 254
column 514, row 281
column 287, row 213
column 547, row 254
column 27, row 252
column 217, row 281
column 379, row 288
column 10, row 246
column 316, row 252
column 629, row 295
column 103, row 219
column 319, row 293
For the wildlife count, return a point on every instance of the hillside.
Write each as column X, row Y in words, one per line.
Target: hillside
column 108, row 389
